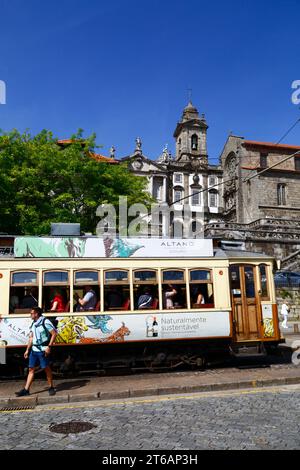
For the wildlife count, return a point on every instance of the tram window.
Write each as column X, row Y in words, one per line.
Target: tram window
column 86, row 277
column 116, row 276
column 235, row 281
column 174, row 289
column 56, row 291
column 264, row 282
column 86, row 291
column 116, row 290
column 26, row 277
column 23, row 292
column 249, row 281
column 56, row 277
column 201, row 289
column 145, row 287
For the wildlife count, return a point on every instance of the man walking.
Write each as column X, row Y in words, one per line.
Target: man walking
column 285, row 309
column 41, row 339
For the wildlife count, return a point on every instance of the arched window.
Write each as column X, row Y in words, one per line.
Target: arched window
column 178, row 195
column 201, row 288
column 56, row 291
column 116, row 290
column 145, row 288
column 24, row 291
column 194, row 142
column 213, row 198
column 174, row 289
column 87, row 288
column 281, row 194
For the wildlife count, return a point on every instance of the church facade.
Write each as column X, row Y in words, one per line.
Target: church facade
column 187, row 179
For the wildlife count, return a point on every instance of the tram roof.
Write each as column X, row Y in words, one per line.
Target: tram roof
column 238, row 254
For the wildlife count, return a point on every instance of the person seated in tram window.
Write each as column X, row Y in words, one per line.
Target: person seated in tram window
column 200, row 299
column 30, row 299
column 145, row 299
column 58, row 303
column 169, row 297
column 179, row 299
column 14, row 301
column 114, row 298
column 88, row 302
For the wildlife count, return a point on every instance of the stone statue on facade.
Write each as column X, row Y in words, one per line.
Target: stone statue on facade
column 112, row 152
column 138, row 147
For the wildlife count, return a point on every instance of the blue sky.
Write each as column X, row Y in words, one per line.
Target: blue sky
column 122, row 68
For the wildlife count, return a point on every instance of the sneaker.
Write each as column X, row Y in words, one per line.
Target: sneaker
column 52, row 391
column 22, row 393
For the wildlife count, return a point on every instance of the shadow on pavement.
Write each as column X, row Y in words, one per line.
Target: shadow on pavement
column 72, row 385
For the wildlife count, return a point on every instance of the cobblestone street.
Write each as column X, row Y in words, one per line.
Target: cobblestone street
column 248, row 419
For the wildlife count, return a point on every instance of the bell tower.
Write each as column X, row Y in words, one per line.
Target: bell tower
column 190, row 135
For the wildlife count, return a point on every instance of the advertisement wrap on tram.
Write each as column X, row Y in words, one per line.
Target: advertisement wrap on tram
column 189, row 291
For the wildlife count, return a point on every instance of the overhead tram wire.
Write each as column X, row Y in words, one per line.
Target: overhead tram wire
column 270, row 167
column 287, row 133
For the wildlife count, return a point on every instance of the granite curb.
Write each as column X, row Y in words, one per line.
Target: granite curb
column 33, row 401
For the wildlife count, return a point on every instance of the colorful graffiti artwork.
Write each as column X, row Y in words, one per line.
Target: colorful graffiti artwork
column 269, row 331
column 117, row 337
column 70, row 330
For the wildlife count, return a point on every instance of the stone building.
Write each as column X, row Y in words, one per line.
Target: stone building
column 186, row 179
column 261, row 211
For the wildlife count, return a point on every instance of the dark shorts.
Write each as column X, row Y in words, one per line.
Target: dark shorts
column 38, row 359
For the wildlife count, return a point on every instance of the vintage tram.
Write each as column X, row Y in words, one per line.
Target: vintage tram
column 199, row 301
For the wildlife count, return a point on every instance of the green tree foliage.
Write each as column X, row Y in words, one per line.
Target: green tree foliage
column 42, row 182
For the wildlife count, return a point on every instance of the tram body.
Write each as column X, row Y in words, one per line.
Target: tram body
column 238, row 306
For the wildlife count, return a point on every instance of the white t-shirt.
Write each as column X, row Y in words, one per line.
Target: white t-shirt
column 169, row 300
column 284, row 310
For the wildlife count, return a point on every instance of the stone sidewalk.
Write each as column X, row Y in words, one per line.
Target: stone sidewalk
column 149, row 384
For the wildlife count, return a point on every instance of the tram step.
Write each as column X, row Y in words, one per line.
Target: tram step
column 246, row 351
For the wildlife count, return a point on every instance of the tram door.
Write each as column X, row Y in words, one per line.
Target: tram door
column 245, row 302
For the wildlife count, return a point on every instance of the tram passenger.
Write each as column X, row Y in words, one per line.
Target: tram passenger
column 200, row 297
column 145, row 300
column 114, row 298
column 30, row 299
column 89, row 300
column 58, row 303
column 179, row 299
column 13, row 300
column 169, row 297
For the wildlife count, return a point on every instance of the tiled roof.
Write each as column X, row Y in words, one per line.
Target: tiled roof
column 271, row 145
column 95, row 156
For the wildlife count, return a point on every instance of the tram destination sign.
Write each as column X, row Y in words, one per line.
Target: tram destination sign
column 96, row 247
